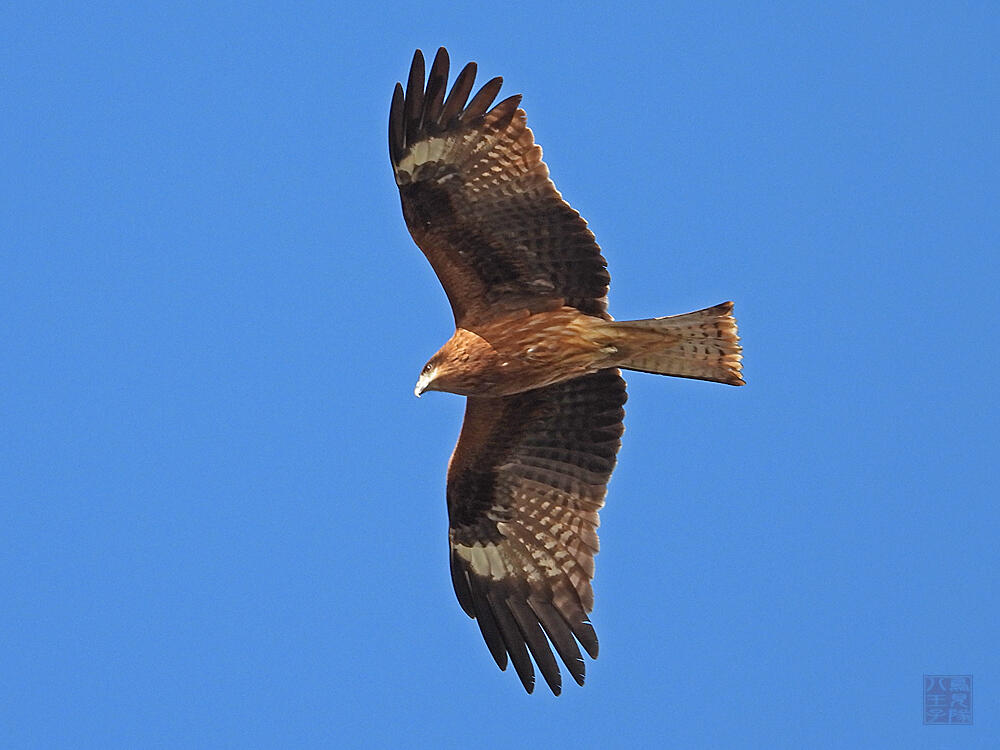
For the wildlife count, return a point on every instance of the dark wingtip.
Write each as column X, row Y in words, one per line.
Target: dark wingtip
column 559, row 633
column 437, row 82
column 503, row 112
column 483, row 99
column 530, row 626
column 396, row 125
column 587, row 636
column 418, row 59
column 459, row 94
column 460, row 582
column 421, row 107
column 414, row 104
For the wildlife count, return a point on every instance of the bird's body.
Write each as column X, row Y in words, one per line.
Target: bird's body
column 549, row 347
column 526, row 350
column 537, row 355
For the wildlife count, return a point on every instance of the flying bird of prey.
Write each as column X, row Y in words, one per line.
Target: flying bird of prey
column 536, row 354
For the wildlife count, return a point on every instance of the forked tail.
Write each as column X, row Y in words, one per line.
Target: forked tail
column 703, row 344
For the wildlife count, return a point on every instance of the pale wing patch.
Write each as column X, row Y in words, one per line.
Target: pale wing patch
column 444, row 151
column 422, row 152
column 485, row 560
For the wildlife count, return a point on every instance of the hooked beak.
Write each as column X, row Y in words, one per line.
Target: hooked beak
column 422, row 383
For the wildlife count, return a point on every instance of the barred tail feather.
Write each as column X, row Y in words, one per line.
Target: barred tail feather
column 703, row 345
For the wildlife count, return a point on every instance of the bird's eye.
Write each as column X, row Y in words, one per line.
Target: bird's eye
column 427, row 368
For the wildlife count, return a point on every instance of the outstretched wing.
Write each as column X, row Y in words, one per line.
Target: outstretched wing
column 525, row 483
column 479, row 203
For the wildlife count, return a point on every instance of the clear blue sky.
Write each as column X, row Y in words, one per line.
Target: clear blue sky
column 222, row 519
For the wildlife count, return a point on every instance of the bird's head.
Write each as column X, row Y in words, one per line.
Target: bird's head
column 458, row 367
column 427, row 376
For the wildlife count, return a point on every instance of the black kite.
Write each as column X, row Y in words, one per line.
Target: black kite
column 537, row 355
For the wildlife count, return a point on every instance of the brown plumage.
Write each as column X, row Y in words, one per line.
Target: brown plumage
column 537, row 354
